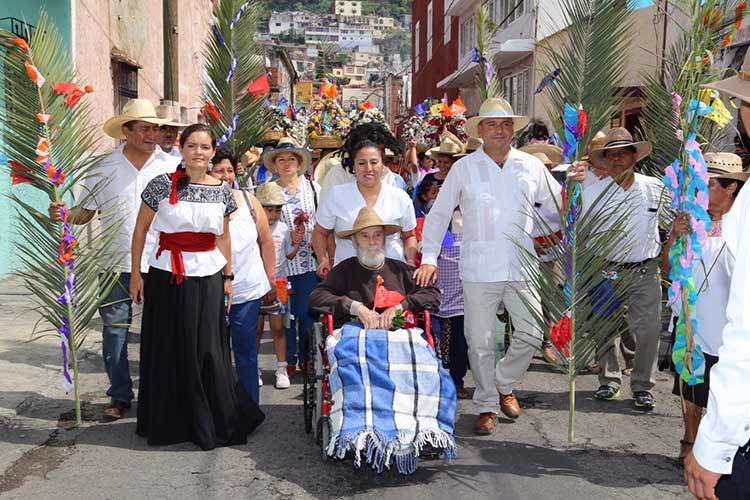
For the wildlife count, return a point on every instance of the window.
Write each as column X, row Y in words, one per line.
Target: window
column 125, row 83
column 467, row 37
column 416, row 47
column 429, row 31
column 510, row 9
column 516, row 92
column 446, row 22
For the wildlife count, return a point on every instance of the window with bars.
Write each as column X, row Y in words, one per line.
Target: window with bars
column 516, row 91
column 417, row 41
column 510, row 9
column 125, row 83
column 429, row 31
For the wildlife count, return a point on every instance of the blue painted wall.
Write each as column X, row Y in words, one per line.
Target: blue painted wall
column 26, row 10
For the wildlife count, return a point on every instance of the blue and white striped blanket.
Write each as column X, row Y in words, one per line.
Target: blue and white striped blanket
column 391, row 398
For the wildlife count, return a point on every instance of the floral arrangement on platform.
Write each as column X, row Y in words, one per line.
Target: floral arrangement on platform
column 366, row 113
column 427, row 125
column 292, row 122
column 327, row 118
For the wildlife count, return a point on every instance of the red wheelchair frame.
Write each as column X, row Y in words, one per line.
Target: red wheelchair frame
column 317, row 397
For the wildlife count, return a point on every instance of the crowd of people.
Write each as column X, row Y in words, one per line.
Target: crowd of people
column 445, row 226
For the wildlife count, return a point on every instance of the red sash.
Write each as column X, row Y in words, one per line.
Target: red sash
column 177, row 243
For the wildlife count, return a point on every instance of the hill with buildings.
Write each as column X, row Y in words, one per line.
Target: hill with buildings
column 387, row 8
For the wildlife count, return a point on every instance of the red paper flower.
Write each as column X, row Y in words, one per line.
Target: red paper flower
column 385, row 298
column 559, row 334
column 301, row 218
column 209, row 111
column 21, row 43
column 19, row 173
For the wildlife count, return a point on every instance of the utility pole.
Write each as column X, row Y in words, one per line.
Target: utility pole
column 171, row 53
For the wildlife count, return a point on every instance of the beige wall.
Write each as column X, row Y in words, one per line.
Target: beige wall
column 134, row 29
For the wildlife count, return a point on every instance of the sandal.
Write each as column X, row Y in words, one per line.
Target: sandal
column 462, row 393
column 685, row 448
column 627, row 371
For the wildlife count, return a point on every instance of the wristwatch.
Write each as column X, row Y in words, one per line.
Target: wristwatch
column 229, row 277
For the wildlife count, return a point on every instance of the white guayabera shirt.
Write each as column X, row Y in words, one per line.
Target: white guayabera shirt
column 119, row 186
column 497, row 205
column 726, row 425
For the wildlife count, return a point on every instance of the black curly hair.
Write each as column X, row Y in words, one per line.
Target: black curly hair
column 373, row 132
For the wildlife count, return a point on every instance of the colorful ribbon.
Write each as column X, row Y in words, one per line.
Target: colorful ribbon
column 65, row 257
column 229, row 131
column 688, row 185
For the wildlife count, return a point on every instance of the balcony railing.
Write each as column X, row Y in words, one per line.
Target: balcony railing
column 18, row 27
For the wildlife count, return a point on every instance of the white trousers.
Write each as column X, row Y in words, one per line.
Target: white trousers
column 481, row 304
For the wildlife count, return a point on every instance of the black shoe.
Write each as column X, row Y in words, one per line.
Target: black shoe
column 606, row 393
column 643, row 400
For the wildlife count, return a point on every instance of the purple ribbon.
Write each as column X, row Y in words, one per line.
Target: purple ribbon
column 217, row 33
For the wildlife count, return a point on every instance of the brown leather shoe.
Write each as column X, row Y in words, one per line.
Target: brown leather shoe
column 484, row 423
column 509, row 405
column 116, row 410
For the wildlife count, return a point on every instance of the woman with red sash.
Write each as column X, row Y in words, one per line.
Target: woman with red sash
column 188, row 389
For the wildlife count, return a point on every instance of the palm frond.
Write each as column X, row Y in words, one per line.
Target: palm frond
column 688, row 64
column 592, row 62
column 71, row 138
column 235, row 22
column 487, row 82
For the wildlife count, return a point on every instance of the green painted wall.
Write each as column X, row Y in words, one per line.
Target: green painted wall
column 26, row 10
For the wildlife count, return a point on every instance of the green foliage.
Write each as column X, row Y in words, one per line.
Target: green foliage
column 71, row 138
column 231, row 97
column 682, row 76
column 486, row 30
column 592, row 61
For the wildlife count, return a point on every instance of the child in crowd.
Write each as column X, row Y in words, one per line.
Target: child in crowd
column 426, row 194
column 271, row 198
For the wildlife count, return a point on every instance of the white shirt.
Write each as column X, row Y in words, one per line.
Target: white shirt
column 552, row 219
column 282, row 242
column 303, row 200
column 645, row 202
column 496, row 204
column 119, row 199
column 710, row 310
column 726, row 425
column 175, row 153
column 338, row 175
column 339, row 210
column 250, row 280
column 200, row 208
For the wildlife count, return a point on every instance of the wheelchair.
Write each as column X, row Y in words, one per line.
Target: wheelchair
column 317, row 397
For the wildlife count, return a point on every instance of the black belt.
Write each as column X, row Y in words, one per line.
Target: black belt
column 629, row 265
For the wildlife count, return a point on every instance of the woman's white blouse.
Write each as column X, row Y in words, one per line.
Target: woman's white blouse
column 250, row 280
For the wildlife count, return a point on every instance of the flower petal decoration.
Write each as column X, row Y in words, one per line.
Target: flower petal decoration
column 21, row 43
column 34, row 74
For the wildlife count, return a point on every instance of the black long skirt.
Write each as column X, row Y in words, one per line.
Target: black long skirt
column 188, row 390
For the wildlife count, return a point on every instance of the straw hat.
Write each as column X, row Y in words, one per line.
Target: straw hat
column 134, row 109
column 172, row 113
column 368, row 218
column 269, row 195
column 450, row 145
column 735, row 86
column 553, row 154
column 495, row 107
column 620, row 138
column 473, row 143
column 544, row 159
column 725, row 166
column 287, row 145
column 250, row 156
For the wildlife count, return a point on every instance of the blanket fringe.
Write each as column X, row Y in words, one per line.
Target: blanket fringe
column 382, row 452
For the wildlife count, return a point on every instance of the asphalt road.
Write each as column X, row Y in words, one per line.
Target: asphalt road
column 618, row 453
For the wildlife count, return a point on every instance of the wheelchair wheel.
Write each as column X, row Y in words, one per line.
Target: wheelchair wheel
column 309, row 376
column 324, row 433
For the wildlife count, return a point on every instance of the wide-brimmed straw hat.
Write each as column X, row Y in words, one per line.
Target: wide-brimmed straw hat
column 618, row 138
column 552, row 152
column 269, row 194
column 544, row 159
column 172, row 113
column 134, row 110
column 725, row 166
column 287, row 145
column 368, row 218
column 495, row 107
column 738, row 85
column 450, row 145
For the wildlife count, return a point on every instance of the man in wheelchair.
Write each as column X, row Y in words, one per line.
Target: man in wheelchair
column 349, row 290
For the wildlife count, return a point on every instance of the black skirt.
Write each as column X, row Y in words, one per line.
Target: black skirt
column 696, row 394
column 188, row 390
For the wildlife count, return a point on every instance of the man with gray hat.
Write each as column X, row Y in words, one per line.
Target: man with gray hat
column 646, row 200
column 116, row 183
column 168, row 132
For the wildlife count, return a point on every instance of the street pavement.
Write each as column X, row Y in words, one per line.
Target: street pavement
column 619, row 453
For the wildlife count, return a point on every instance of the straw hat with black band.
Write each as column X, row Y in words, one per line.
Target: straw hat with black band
column 288, row 145
column 618, row 138
column 368, row 218
column 552, row 152
column 141, row 110
column 495, row 107
column 725, row 166
column 170, row 113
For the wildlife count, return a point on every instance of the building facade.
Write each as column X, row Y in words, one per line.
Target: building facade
column 434, row 49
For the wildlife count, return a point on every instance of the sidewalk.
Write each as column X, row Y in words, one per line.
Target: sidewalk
column 31, row 396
